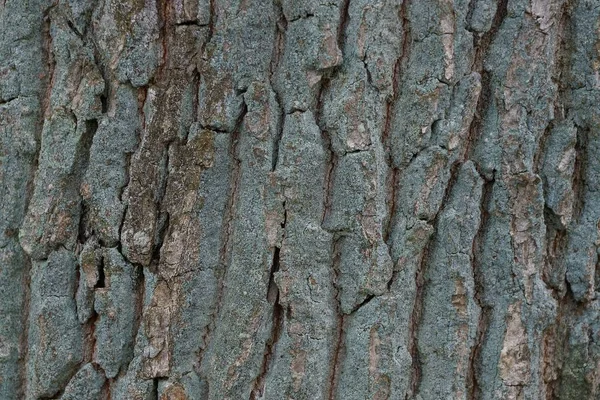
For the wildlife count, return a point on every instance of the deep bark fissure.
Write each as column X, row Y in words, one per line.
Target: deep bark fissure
column 579, row 174
column 212, row 19
column 343, row 24
column 274, row 65
column 276, row 325
column 421, row 287
column 164, row 23
column 339, row 338
column 482, row 44
column 363, row 303
column 484, row 316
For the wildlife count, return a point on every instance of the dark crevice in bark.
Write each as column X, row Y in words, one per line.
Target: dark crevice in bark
column 392, row 183
column 105, row 393
column 104, row 102
column 339, row 346
column 579, row 172
column 343, row 24
column 48, row 59
column 195, row 101
column 154, row 393
column 142, row 95
column 278, row 48
column 105, row 95
column 163, row 178
column 329, row 175
column 122, row 189
column 413, row 327
column 276, row 327
column 538, row 157
column 556, row 244
column 74, row 29
column 83, row 156
column 89, row 331
column 562, row 56
column 121, row 225
column 484, row 316
column 193, row 22
column 332, row 159
column 161, row 232
column 560, row 79
column 307, row 15
column 369, row 76
column 366, row 301
column 556, row 341
column 89, row 345
column 83, row 153
column 101, row 282
column 277, row 139
column 597, row 274
column 421, row 287
column 482, row 44
column 469, row 15
column 162, row 217
column 76, row 285
column 163, row 12
column 568, row 310
column 272, row 290
column 406, row 46
column 4, row 101
column 212, row 18
column 83, row 232
column 556, row 336
column 328, row 190
column 277, row 319
column 140, row 294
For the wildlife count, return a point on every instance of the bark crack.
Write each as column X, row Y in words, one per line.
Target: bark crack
column 415, row 319
column 339, row 341
column 276, row 327
column 484, row 316
column 277, row 52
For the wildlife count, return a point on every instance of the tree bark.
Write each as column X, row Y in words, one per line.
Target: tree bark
column 337, row 200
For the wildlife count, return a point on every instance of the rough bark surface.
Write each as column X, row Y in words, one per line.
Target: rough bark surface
column 316, row 199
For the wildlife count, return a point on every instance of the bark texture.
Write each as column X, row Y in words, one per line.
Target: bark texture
column 316, row 199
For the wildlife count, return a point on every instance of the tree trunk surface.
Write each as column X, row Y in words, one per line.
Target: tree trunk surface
column 299, row 200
